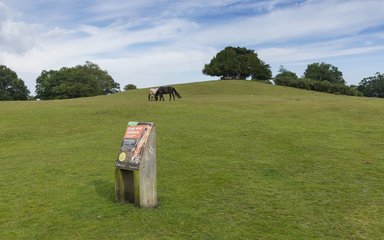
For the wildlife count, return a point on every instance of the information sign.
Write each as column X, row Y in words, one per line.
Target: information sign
column 133, row 145
column 136, row 166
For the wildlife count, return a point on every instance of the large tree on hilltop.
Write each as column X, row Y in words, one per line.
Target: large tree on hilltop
column 80, row 81
column 237, row 63
column 11, row 87
column 324, row 72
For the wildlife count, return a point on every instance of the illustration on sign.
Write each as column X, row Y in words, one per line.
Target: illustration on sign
column 132, row 146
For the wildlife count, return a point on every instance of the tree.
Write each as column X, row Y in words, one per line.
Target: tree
column 324, row 72
column 80, row 81
column 11, row 87
column 129, row 87
column 372, row 86
column 237, row 63
column 284, row 75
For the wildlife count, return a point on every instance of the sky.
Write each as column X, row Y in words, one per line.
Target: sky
column 162, row 42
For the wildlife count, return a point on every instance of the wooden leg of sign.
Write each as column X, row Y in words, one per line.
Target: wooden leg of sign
column 136, row 188
column 125, row 186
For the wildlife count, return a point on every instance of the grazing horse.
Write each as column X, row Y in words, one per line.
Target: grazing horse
column 151, row 94
column 166, row 90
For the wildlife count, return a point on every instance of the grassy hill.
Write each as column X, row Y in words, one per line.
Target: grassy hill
column 236, row 160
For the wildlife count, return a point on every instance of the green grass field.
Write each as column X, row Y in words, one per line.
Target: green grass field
column 236, row 160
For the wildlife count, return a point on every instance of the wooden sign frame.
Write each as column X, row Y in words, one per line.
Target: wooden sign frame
column 136, row 176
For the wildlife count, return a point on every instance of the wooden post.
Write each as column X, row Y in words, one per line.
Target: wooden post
column 136, row 177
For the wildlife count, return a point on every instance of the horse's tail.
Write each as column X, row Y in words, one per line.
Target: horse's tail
column 176, row 93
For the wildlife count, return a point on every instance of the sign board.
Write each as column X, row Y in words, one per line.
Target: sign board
column 133, row 145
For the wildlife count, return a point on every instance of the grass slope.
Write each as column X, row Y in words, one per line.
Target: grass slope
column 236, row 160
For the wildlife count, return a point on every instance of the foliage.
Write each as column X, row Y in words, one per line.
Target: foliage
column 284, row 75
column 130, row 87
column 11, row 87
column 259, row 162
column 290, row 79
column 372, row 86
column 80, row 81
column 237, row 63
column 324, row 72
column 315, row 85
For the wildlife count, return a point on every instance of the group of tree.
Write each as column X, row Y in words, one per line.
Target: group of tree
column 241, row 63
column 321, row 77
column 79, row 81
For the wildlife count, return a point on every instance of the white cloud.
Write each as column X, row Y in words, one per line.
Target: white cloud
column 323, row 19
column 15, row 36
column 326, row 49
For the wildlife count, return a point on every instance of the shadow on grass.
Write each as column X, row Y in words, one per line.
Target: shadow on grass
column 105, row 189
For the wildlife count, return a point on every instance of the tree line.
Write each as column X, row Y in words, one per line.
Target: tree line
column 242, row 63
column 235, row 63
column 79, row 81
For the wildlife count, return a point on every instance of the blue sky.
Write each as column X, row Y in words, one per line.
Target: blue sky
column 151, row 43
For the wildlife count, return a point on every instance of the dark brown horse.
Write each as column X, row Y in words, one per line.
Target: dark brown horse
column 166, row 90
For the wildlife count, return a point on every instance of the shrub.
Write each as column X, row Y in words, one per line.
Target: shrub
column 319, row 86
column 129, row 87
